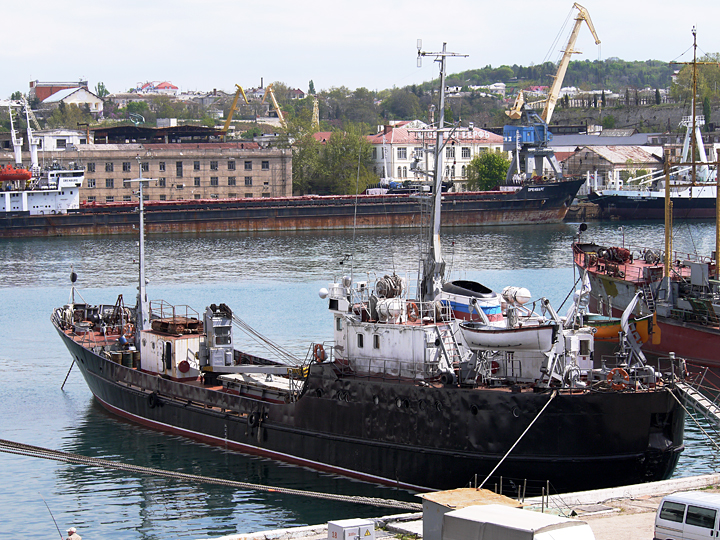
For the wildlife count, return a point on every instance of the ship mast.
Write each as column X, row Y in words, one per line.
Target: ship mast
column 693, row 140
column 143, row 306
column 434, row 265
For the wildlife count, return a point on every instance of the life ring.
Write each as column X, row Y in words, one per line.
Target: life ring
column 128, row 329
column 253, row 419
column 618, row 378
column 319, row 353
column 412, row 311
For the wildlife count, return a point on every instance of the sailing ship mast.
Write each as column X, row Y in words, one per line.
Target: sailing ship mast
column 434, row 265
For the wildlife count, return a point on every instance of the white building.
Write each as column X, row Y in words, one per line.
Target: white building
column 122, row 99
column 158, row 87
column 498, row 88
column 52, row 140
column 76, row 96
column 400, row 149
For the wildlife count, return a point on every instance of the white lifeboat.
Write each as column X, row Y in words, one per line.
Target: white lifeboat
column 484, row 337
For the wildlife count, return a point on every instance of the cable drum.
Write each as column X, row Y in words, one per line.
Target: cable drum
column 389, row 286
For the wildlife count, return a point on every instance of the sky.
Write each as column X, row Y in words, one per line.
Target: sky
column 215, row 44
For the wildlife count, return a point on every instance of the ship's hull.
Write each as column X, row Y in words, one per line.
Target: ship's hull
column 696, row 342
column 409, row 435
column 542, row 203
column 651, row 205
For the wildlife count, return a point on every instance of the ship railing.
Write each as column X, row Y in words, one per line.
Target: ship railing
column 704, row 380
column 629, row 272
column 670, row 368
column 79, row 329
column 160, row 309
column 187, row 394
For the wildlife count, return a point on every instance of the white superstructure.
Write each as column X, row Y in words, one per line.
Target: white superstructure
column 56, row 191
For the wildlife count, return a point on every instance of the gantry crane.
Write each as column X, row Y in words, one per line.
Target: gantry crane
column 528, row 142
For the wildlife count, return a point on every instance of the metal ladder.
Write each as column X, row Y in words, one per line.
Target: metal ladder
column 649, row 298
column 449, row 345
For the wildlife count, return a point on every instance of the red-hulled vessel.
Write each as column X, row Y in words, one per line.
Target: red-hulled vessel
column 686, row 307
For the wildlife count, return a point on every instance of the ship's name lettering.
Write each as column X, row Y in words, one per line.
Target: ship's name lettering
column 536, row 189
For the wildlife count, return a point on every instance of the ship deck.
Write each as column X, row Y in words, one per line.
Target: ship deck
column 634, row 266
column 97, row 340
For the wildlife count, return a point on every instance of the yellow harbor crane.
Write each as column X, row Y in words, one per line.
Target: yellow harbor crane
column 515, row 112
column 238, row 92
column 528, row 142
column 315, row 115
column 269, row 90
column 582, row 15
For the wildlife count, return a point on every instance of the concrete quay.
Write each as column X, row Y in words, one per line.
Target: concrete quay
column 623, row 513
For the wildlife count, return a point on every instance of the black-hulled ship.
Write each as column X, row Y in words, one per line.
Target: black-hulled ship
column 692, row 184
column 424, row 390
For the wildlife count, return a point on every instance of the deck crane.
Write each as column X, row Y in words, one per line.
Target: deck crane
column 29, row 113
column 33, row 142
column 238, row 92
column 269, row 90
column 16, row 141
column 529, row 142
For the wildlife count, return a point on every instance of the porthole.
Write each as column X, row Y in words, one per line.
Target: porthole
column 376, row 400
column 319, row 392
column 398, row 402
column 438, row 406
column 474, row 410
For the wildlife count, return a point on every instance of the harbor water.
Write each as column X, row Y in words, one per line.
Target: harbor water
column 271, row 281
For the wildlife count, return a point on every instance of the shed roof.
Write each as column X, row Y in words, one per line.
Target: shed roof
column 622, row 154
column 61, row 95
column 463, row 497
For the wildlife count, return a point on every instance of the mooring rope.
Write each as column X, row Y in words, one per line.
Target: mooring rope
column 552, row 396
column 11, row 447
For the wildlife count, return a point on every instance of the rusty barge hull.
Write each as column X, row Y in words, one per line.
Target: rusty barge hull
column 542, row 203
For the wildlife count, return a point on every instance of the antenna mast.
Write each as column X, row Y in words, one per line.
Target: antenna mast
column 434, row 265
column 143, row 306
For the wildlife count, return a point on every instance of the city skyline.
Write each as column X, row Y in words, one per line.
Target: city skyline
column 216, row 44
